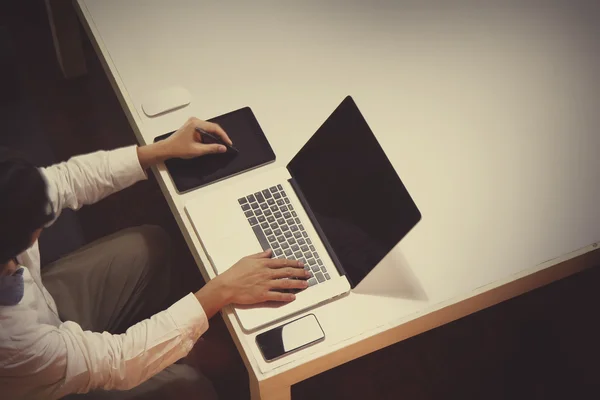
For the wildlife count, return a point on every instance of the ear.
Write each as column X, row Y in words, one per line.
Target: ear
column 35, row 236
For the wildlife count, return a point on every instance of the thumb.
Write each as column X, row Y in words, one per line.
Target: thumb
column 210, row 148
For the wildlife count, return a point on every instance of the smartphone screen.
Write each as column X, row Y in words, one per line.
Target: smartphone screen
column 290, row 337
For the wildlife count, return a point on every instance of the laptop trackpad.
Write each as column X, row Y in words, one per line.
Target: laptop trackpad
column 228, row 250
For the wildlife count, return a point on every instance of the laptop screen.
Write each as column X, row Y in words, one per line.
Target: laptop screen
column 358, row 203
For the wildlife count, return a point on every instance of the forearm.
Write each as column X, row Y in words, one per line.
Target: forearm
column 153, row 154
column 213, row 296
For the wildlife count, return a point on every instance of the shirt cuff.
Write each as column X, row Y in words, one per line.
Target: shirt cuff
column 189, row 316
column 126, row 165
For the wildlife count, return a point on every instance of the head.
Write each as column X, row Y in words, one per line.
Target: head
column 24, row 205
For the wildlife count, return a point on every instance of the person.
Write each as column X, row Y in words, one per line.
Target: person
column 93, row 324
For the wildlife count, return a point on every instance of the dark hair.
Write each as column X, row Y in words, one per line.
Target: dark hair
column 24, row 203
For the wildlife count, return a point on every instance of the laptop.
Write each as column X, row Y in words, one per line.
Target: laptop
column 339, row 207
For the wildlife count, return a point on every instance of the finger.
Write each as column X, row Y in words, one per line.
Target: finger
column 265, row 254
column 288, row 284
column 277, row 296
column 290, row 272
column 282, row 263
column 211, row 148
column 216, row 128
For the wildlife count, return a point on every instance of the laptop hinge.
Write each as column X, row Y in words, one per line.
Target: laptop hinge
column 311, row 215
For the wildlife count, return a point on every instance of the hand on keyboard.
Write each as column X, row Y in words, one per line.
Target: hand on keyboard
column 258, row 278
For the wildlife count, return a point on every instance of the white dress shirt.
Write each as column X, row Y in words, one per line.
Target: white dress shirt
column 46, row 358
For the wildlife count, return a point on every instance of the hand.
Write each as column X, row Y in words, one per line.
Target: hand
column 253, row 279
column 187, row 142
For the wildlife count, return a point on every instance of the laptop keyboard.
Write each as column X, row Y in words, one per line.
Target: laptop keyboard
column 278, row 227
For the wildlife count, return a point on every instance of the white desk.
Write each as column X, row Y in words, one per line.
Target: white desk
column 489, row 115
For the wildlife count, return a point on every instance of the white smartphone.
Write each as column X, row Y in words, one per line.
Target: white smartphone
column 290, row 337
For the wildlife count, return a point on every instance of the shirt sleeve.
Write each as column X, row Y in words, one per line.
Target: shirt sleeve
column 89, row 178
column 77, row 361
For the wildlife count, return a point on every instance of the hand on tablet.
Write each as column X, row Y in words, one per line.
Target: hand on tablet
column 187, row 142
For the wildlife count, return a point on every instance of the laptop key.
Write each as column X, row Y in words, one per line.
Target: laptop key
column 281, row 221
column 298, row 255
column 246, row 207
column 297, row 235
column 253, row 221
column 284, row 228
column 301, row 242
column 268, row 232
column 295, row 247
column 279, row 252
column 262, row 218
column 319, row 261
column 280, row 239
column 277, row 195
column 305, row 234
column 264, row 206
column 278, row 232
column 284, row 245
column 301, row 227
column 277, row 214
column 275, row 245
column 308, row 241
column 320, row 277
column 286, row 215
column 283, row 208
column 274, row 225
column 268, row 213
column 259, row 197
column 312, row 261
column 280, row 202
column 294, row 228
column 327, row 276
column 292, row 240
column 324, row 270
column 258, row 212
column 312, row 248
column 315, row 268
column 304, row 248
column 287, row 200
column 271, row 219
column 294, row 214
column 274, row 208
column 273, row 189
column 297, row 220
column 312, row 282
column 283, row 194
column 261, row 237
column 279, row 187
column 287, row 234
column 271, row 238
column 317, row 255
column 254, row 206
column 270, row 202
column 249, row 214
column 242, row 201
column 264, row 225
column 302, row 260
column 308, row 255
column 288, row 253
column 266, row 193
column 251, row 198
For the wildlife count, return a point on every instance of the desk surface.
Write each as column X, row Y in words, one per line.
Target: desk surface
column 488, row 113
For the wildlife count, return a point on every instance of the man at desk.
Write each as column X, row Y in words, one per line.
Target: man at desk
column 51, row 321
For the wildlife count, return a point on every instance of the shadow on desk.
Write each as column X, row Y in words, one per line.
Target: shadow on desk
column 393, row 277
